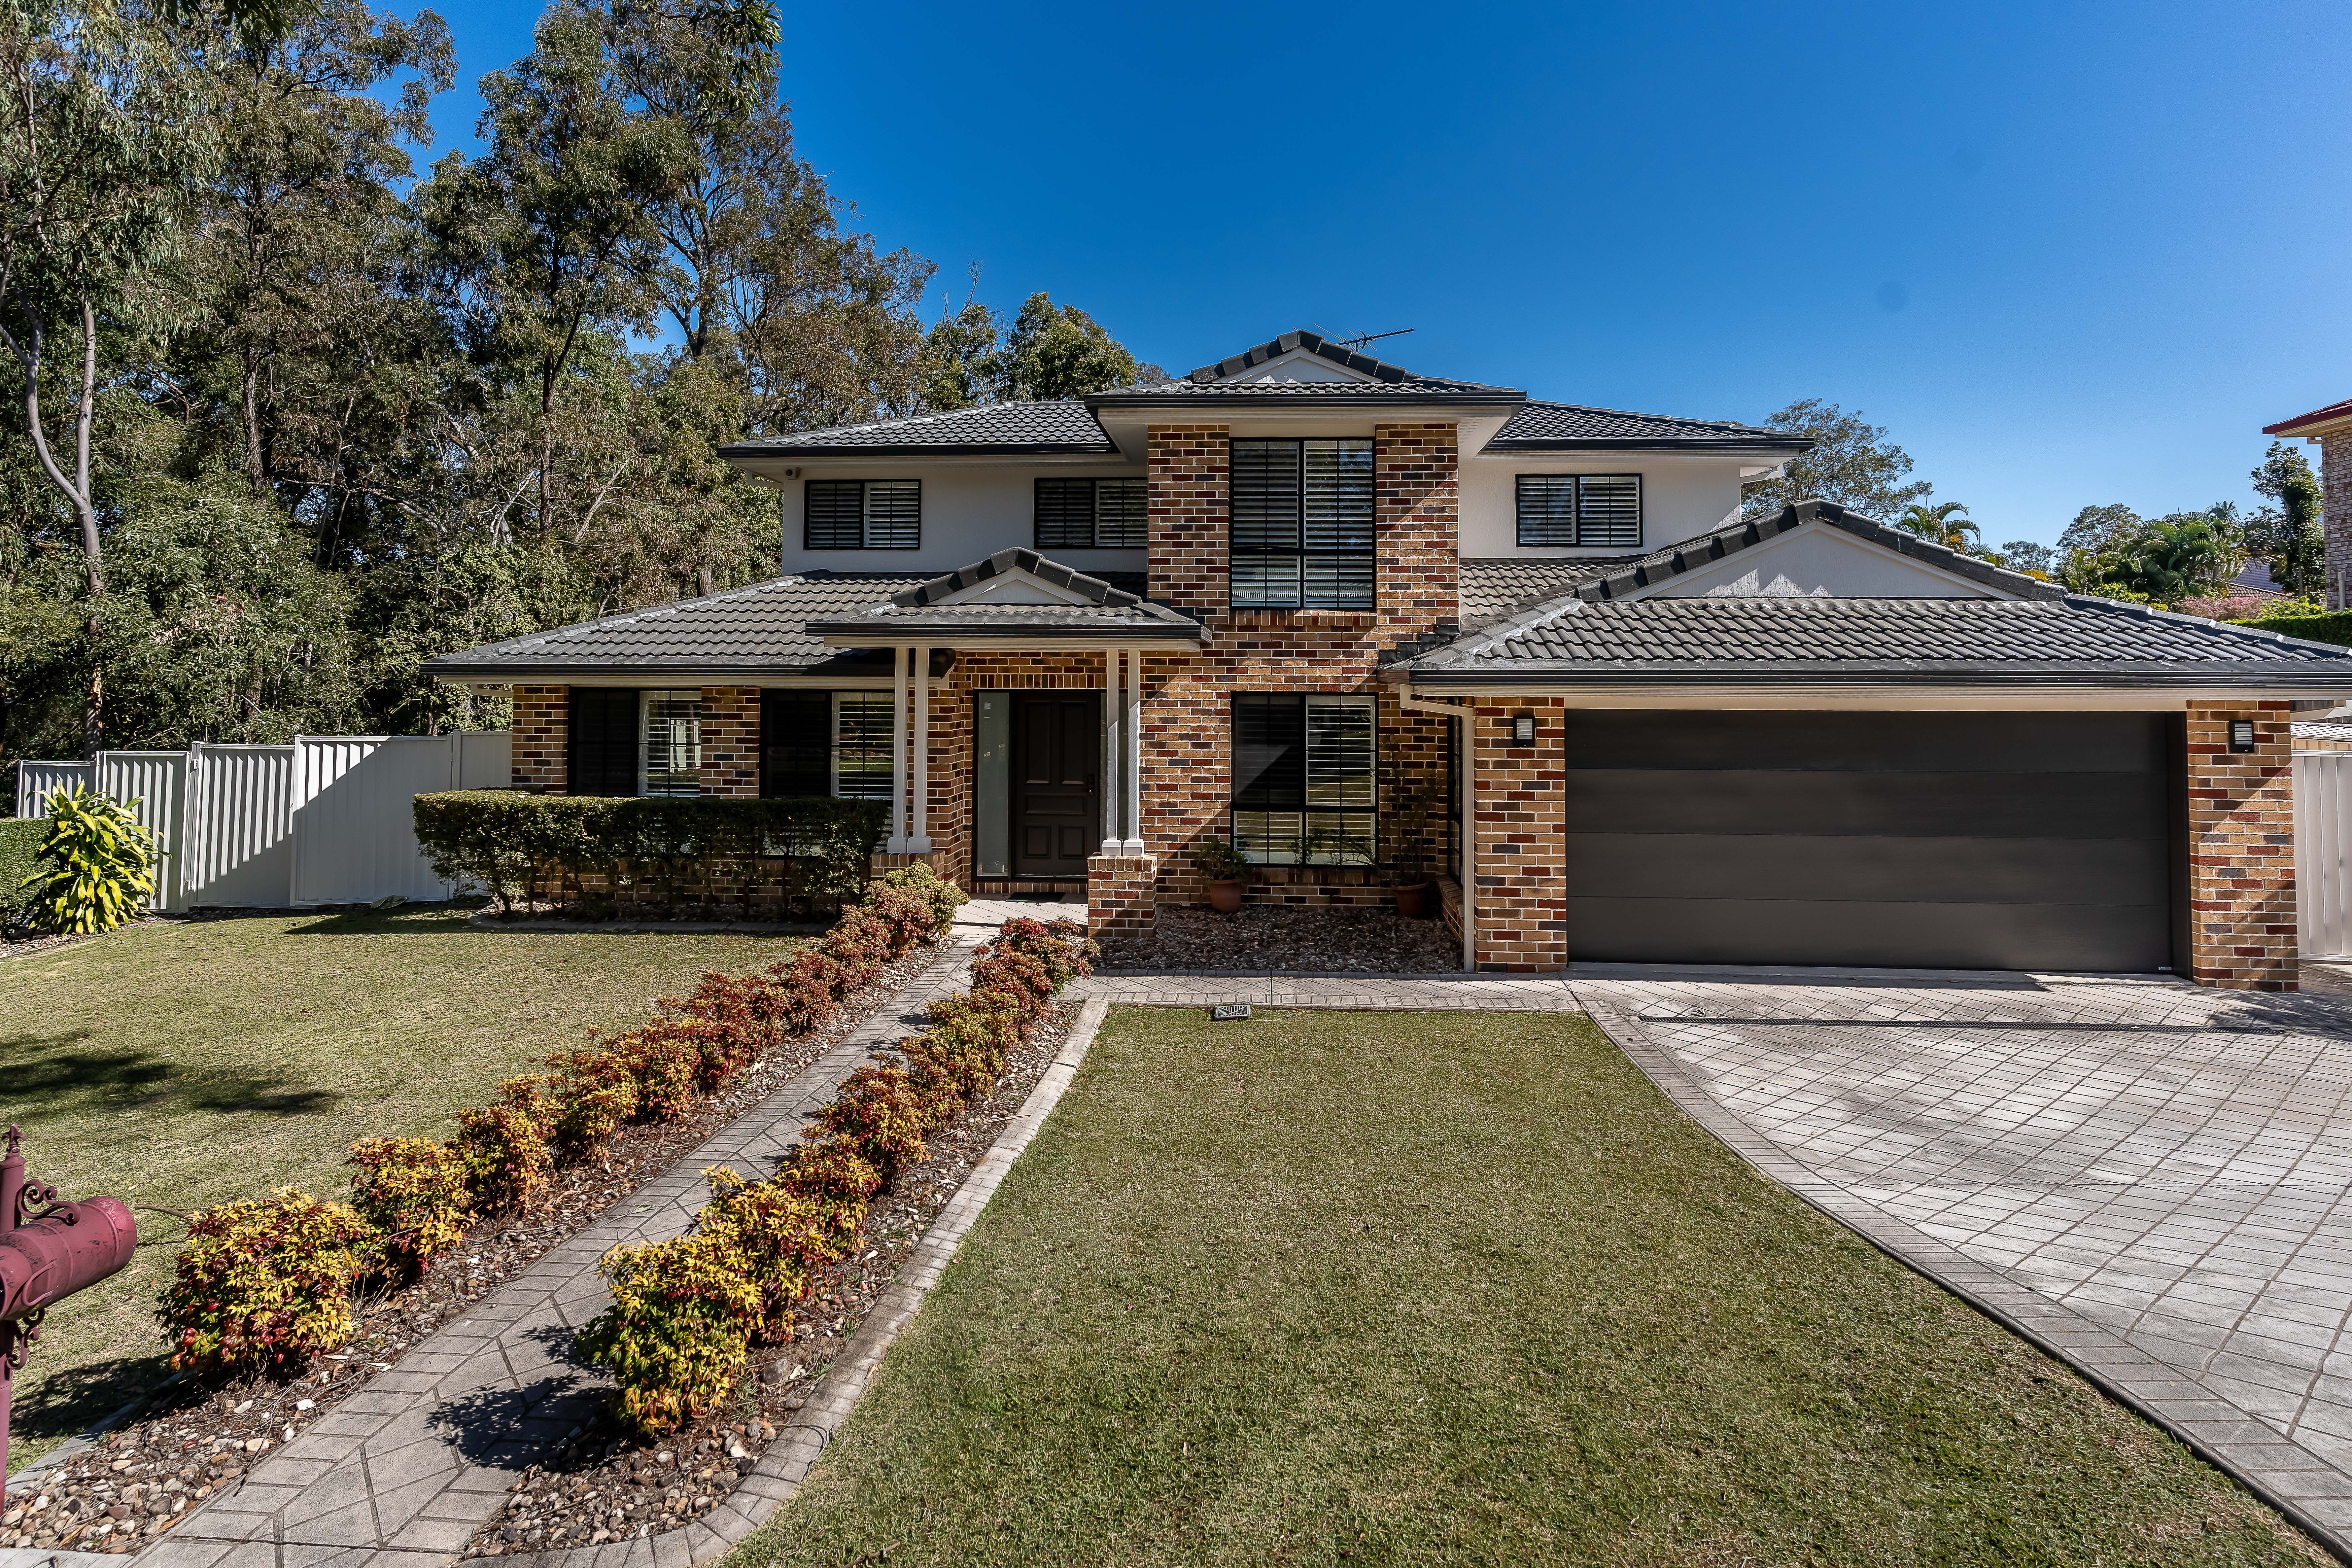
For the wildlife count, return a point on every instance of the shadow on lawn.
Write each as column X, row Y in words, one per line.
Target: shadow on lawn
column 56, row 1075
column 60, row 1403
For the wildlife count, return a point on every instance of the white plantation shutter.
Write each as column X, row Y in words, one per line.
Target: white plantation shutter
column 861, row 745
column 672, row 727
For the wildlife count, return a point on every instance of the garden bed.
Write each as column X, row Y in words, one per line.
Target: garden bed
column 194, row 1435
column 1259, row 937
column 605, row 1486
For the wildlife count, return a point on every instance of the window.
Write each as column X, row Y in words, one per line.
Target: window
column 603, row 755
column 1090, row 514
column 862, row 515
column 1590, row 509
column 1304, row 780
column 814, row 743
column 671, row 724
column 1302, row 524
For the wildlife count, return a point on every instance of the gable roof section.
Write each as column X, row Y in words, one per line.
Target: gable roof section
column 1542, row 427
column 1315, row 343
column 944, row 589
column 1060, row 424
column 932, row 608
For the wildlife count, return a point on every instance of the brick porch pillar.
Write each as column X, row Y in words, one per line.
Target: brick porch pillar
column 2241, row 920
column 542, row 739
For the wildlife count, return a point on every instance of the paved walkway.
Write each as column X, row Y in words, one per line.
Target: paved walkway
column 2152, row 1179
column 401, row 1474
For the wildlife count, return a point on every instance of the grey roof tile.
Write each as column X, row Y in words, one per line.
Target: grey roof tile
column 1551, row 426
column 1059, row 425
column 1315, row 343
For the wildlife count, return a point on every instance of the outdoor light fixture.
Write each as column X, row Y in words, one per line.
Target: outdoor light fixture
column 2242, row 734
column 1523, row 729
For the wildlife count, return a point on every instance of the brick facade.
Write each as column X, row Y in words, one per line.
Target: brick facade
column 729, row 720
column 2335, row 511
column 2242, row 915
column 1122, row 894
column 1519, row 834
column 542, row 739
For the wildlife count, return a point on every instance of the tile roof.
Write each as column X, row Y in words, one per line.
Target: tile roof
column 1098, row 590
column 1060, row 424
column 1494, row 586
column 924, row 609
column 1557, row 426
column 761, row 629
column 1417, row 389
column 1315, row 343
column 2327, row 416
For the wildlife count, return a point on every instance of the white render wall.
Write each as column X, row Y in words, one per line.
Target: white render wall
column 970, row 511
column 1682, row 497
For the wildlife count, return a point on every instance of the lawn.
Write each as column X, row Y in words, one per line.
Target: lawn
column 180, row 1063
column 1460, row 1289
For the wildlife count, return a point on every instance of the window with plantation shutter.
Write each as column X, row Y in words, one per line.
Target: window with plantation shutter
column 1591, row 511
column 795, row 750
column 672, row 758
column 1305, row 780
column 861, row 745
column 862, row 515
column 1090, row 514
column 1301, row 524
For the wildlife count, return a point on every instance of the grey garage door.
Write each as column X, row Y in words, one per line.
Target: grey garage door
column 1908, row 840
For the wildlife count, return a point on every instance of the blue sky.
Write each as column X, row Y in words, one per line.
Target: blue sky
column 2066, row 254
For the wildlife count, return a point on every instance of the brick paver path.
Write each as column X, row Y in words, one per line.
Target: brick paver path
column 401, row 1474
column 2152, row 1179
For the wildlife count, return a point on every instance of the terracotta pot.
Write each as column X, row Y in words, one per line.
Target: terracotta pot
column 1412, row 900
column 1224, row 897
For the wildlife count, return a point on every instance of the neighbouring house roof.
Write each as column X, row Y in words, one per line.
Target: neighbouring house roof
column 946, row 607
column 2334, row 413
column 759, row 630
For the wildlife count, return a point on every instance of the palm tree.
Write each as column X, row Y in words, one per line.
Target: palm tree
column 1945, row 523
column 2178, row 557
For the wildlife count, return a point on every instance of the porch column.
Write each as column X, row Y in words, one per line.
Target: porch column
column 919, row 842
column 1133, row 844
column 898, row 842
column 1111, row 782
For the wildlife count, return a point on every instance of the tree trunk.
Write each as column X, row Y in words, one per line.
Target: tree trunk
column 256, row 470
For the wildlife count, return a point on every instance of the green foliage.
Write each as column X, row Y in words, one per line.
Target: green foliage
column 1220, row 861
column 264, row 1283
column 506, row 1147
column 943, row 896
column 2095, row 528
column 2171, row 558
column 2326, row 626
column 2285, row 535
column 1945, row 523
column 101, row 865
column 2030, row 556
column 20, row 838
column 1852, row 463
column 679, row 1330
column 654, row 855
column 415, row 1196
column 1059, row 350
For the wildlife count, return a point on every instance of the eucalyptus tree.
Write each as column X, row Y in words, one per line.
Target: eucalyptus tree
column 1852, row 463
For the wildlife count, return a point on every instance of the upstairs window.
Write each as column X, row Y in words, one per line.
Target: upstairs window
column 1090, row 514
column 1592, row 511
column 1305, row 780
column 817, row 743
column 862, row 515
column 1302, row 524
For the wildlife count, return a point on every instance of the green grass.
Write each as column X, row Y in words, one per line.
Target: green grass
column 1413, row 1289
column 182, row 1063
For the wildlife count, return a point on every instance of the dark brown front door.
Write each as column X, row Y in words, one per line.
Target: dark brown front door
column 1056, row 756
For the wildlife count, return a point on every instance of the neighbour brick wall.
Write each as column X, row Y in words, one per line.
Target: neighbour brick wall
column 1518, row 825
column 2242, row 917
column 543, row 731
column 2335, row 511
column 729, row 720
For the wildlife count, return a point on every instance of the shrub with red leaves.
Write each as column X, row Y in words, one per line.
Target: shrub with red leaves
column 880, row 1115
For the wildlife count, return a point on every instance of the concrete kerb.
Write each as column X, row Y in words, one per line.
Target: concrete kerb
column 786, row 1462
column 2118, row 1369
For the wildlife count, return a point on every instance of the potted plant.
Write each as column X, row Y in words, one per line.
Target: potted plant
column 1410, row 813
column 1225, row 867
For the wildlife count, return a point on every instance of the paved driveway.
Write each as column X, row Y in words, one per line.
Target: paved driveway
column 2155, row 1178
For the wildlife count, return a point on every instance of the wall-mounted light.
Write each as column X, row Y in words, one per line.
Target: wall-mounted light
column 1523, row 729
column 2242, row 734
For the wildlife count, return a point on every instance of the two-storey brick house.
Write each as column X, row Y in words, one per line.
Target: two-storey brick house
column 1349, row 617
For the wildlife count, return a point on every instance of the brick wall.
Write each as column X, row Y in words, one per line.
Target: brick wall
column 2242, row 917
column 1518, row 823
column 1122, row 896
column 2335, row 511
column 542, row 729
column 729, row 719
column 1185, row 470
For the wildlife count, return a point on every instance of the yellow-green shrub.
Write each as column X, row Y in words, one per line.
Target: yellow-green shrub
column 264, row 1283
column 677, row 1331
column 509, row 1162
column 416, row 1195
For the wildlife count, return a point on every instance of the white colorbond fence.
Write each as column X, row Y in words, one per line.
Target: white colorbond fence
column 2322, row 853
column 329, row 819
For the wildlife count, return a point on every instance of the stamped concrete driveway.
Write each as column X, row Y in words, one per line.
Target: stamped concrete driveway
column 2153, row 1179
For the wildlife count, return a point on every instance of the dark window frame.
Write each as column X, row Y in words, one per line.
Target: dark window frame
column 1577, row 519
column 618, row 750
column 820, row 716
column 1301, row 552
column 812, row 488
column 1283, row 782
column 1094, row 492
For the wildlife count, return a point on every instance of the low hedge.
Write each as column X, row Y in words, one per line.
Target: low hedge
column 19, row 837
column 2335, row 627
column 266, row 1283
column 592, row 856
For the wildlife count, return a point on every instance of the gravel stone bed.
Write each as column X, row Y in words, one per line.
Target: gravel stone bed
column 1257, row 938
column 605, row 1487
column 194, row 1435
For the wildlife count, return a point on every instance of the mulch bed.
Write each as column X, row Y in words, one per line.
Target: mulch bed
column 194, row 1435
column 1257, row 938
column 605, row 1487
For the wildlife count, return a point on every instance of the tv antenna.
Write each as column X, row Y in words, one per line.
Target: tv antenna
column 1360, row 339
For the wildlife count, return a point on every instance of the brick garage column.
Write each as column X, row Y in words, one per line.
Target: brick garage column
column 1518, row 836
column 2335, row 511
column 1185, row 468
column 2242, row 924
column 542, row 737
column 730, row 716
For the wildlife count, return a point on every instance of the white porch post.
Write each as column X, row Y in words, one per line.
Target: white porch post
column 897, row 841
column 1133, row 735
column 1111, row 782
column 919, row 842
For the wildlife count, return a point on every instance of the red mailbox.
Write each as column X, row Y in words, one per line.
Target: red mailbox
column 44, row 1258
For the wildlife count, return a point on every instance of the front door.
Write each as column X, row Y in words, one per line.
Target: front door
column 1056, row 758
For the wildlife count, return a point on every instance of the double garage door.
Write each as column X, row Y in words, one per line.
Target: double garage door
column 1904, row 840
